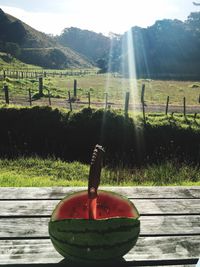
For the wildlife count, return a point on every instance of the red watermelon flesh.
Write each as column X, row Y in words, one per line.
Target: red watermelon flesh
column 107, row 204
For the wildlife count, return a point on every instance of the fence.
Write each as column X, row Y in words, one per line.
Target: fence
column 21, row 74
column 72, row 102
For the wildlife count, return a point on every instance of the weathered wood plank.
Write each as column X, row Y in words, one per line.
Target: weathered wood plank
column 145, row 207
column 150, row 225
column 131, row 192
column 173, row 263
column 147, row 248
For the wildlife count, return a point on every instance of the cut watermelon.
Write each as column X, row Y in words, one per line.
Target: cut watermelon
column 110, row 236
column 94, row 226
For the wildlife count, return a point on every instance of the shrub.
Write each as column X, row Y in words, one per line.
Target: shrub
column 44, row 131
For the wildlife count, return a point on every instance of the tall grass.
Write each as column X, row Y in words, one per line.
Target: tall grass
column 51, row 172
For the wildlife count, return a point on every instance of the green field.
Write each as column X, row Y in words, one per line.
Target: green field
column 54, row 172
column 36, row 171
column 156, row 91
column 51, row 172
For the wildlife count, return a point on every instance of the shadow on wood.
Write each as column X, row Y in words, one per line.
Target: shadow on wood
column 121, row 263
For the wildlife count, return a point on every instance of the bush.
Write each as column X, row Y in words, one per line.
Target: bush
column 44, row 131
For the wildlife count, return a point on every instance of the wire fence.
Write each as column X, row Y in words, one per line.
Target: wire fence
column 28, row 90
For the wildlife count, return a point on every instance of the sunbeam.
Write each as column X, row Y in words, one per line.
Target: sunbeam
column 130, row 71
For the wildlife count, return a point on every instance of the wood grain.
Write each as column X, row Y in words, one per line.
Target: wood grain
column 150, row 225
column 145, row 207
column 131, row 192
column 147, row 248
column 170, row 225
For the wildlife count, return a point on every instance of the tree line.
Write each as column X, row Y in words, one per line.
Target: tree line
column 167, row 49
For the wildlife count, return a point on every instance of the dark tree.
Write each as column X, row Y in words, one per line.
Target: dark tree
column 102, row 64
column 12, row 49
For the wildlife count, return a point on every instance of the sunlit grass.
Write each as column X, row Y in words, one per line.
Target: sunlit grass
column 51, row 172
column 159, row 119
column 156, row 91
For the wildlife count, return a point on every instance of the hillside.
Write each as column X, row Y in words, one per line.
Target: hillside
column 36, row 47
column 6, row 61
column 88, row 43
column 166, row 49
column 169, row 49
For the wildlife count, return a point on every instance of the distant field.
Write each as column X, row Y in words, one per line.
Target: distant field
column 156, row 91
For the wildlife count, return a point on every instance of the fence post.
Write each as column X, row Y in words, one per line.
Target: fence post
column 106, row 100
column 184, row 107
column 6, row 94
column 199, row 99
column 126, row 103
column 143, row 102
column 142, row 93
column 40, row 86
column 30, row 97
column 167, row 106
column 89, row 99
column 69, row 99
column 49, row 97
column 4, row 75
column 75, row 88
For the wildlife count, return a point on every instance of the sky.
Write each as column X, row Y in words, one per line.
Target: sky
column 117, row 16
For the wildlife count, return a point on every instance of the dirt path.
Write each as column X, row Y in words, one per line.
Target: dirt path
column 62, row 103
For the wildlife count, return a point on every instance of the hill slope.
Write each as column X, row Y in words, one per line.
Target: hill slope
column 88, row 43
column 37, row 47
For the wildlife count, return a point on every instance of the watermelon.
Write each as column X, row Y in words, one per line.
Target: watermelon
column 94, row 227
column 112, row 232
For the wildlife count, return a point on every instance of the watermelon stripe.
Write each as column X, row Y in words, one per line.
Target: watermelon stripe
column 93, row 253
column 93, row 258
column 63, row 227
column 101, row 226
column 91, row 238
column 118, row 230
column 97, row 247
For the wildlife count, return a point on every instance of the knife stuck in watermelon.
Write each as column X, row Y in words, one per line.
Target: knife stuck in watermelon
column 94, row 225
column 94, row 180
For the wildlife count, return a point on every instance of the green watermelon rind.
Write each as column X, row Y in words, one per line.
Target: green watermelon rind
column 101, row 225
column 90, row 262
column 98, row 252
column 105, row 231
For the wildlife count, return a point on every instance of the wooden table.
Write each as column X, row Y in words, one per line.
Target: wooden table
column 170, row 226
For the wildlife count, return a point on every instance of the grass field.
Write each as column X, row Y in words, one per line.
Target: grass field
column 156, row 91
column 54, row 172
